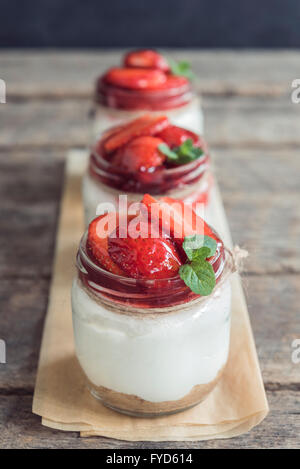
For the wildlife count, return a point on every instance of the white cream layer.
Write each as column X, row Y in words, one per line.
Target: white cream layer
column 189, row 117
column 94, row 193
column 157, row 359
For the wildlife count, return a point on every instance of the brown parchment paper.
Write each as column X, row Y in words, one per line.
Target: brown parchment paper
column 236, row 405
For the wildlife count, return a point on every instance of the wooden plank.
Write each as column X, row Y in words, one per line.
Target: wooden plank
column 273, row 303
column 268, row 226
column 30, row 187
column 23, row 306
column 42, row 123
column 19, row 428
column 252, row 122
column 72, row 73
column 235, row 121
column 274, row 311
column 257, row 171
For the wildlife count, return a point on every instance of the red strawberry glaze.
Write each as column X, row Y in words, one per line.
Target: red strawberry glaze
column 140, row 154
column 174, row 94
column 144, row 83
column 125, row 161
column 136, row 78
column 145, row 282
column 146, row 58
column 149, row 258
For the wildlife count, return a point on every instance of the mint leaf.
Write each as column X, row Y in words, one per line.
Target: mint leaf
column 166, row 150
column 199, row 246
column 181, row 68
column 183, row 154
column 199, row 276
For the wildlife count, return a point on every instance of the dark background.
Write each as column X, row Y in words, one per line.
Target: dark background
column 166, row 23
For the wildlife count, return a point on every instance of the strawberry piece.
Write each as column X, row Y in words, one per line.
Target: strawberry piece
column 176, row 218
column 145, row 125
column 150, row 258
column 98, row 241
column 136, row 78
column 174, row 136
column 175, row 81
column 140, row 154
column 146, row 58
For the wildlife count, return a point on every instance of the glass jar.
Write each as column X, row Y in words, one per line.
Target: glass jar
column 190, row 183
column 150, row 347
column 114, row 106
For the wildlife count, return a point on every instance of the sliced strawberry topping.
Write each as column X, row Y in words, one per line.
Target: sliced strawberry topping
column 174, row 136
column 140, row 154
column 176, row 218
column 98, row 232
column 136, row 78
column 175, row 81
column 145, row 125
column 146, row 58
column 150, row 258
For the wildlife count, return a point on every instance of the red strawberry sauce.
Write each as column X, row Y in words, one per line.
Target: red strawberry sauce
column 177, row 95
column 142, row 293
column 143, row 82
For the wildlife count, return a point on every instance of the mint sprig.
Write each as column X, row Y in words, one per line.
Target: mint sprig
column 183, row 154
column 198, row 274
column 182, row 68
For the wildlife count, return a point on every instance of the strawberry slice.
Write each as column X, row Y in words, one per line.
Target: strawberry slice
column 174, row 136
column 146, row 58
column 136, row 78
column 176, row 218
column 140, row 154
column 145, row 125
column 174, row 81
column 98, row 241
column 150, row 258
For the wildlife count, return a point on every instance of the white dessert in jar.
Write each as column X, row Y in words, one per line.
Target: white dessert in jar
column 149, row 341
column 159, row 358
column 188, row 116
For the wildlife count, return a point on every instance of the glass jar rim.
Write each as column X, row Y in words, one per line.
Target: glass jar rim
column 130, row 99
column 103, row 86
column 176, row 170
column 132, row 300
column 97, row 268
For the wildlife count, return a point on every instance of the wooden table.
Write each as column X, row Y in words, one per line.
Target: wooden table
column 254, row 131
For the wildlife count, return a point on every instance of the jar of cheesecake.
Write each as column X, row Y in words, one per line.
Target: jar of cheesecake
column 150, row 340
column 148, row 155
column 146, row 82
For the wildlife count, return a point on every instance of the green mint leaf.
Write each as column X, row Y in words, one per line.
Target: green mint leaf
column 188, row 152
column 199, row 276
column 183, row 154
column 166, row 150
column 186, row 148
column 199, row 246
column 200, row 253
column 182, row 68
